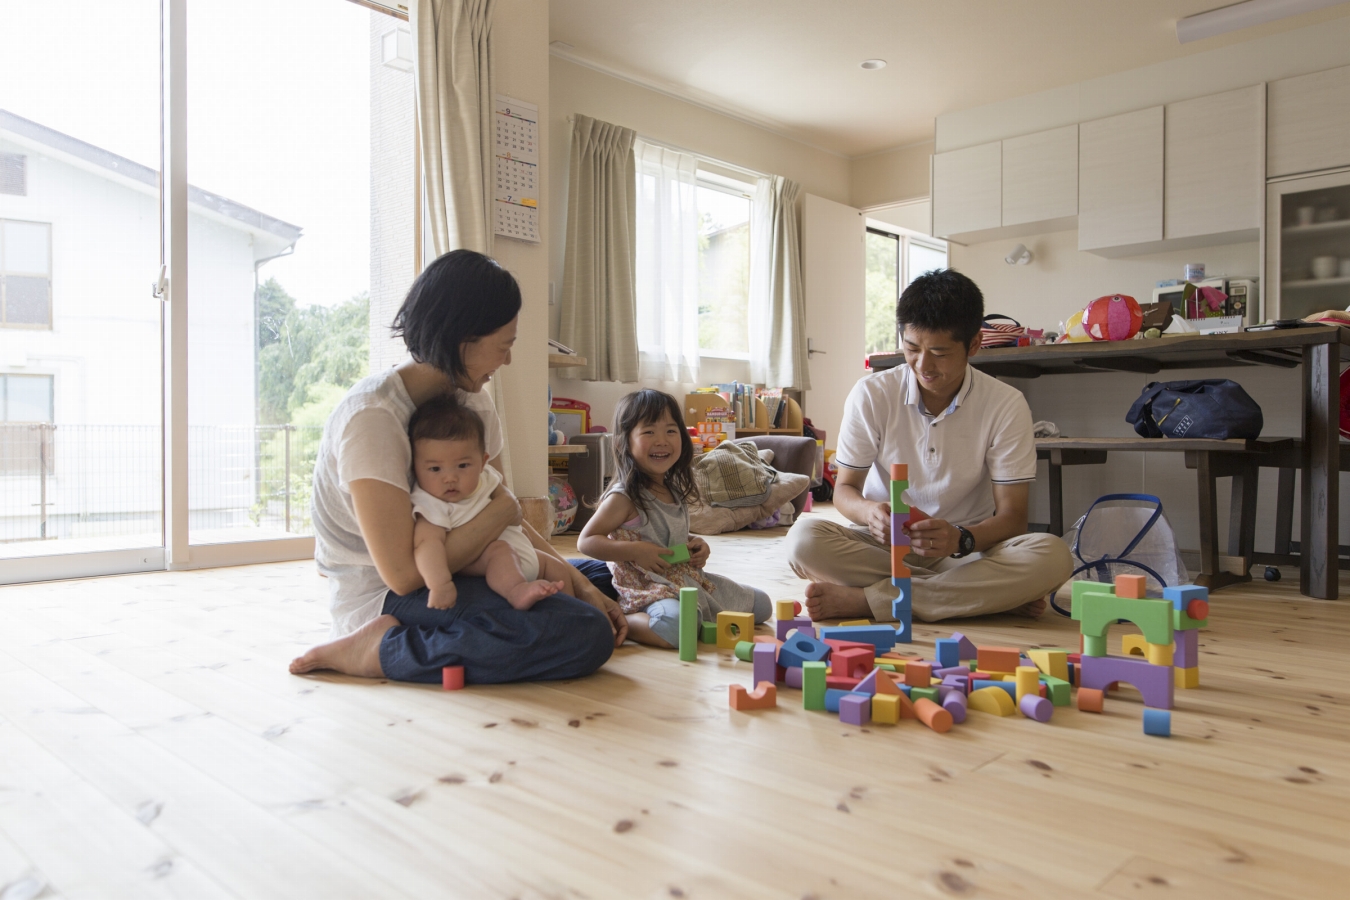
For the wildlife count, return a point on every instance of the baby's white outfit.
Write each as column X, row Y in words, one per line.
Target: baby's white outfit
column 452, row 515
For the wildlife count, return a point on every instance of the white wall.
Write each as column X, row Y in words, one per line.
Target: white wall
column 835, row 316
column 891, row 176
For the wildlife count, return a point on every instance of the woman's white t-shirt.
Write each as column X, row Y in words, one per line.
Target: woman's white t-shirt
column 367, row 437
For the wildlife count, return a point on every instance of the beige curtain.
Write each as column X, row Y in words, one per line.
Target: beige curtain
column 599, row 310
column 452, row 71
column 777, row 292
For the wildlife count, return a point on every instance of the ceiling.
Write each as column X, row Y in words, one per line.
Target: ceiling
column 792, row 65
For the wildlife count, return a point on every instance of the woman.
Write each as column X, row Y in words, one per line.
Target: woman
column 459, row 322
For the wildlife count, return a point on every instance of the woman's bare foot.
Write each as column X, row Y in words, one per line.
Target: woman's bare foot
column 1032, row 610
column 528, row 593
column 356, row 654
column 835, row 601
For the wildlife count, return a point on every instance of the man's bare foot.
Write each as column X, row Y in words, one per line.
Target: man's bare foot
column 528, row 593
column 1032, row 610
column 835, row 601
column 356, row 654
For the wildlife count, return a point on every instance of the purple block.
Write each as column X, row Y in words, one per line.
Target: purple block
column 898, row 536
column 855, row 709
column 792, row 677
column 1038, row 708
column 764, row 658
column 955, row 703
column 951, row 670
column 1154, row 682
column 869, row 684
column 965, row 646
column 960, row 682
column 1186, row 655
column 802, row 626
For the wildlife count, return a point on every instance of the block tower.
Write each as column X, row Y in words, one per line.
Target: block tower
column 902, row 607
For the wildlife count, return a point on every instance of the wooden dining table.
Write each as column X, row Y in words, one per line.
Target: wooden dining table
column 1317, row 349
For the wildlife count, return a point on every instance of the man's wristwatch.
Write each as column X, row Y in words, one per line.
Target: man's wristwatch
column 965, row 545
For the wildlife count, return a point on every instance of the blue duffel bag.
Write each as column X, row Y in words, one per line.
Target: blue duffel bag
column 1205, row 408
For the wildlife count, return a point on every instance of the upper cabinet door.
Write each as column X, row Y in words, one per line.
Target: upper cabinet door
column 1120, row 180
column 1213, row 165
column 1308, row 123
column 1040, row 176
column 967, row 191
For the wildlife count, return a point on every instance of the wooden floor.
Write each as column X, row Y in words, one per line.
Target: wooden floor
column 153, row 745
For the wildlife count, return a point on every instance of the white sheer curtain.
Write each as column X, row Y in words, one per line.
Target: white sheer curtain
column 777, row 292
column 667, row 263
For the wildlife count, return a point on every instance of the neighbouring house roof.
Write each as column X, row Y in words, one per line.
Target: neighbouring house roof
column 282, row 234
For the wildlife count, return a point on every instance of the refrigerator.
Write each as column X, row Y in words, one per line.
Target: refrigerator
column 1307, row 245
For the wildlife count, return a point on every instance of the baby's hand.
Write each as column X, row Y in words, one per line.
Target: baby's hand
column 648, row 556
column 442, row 597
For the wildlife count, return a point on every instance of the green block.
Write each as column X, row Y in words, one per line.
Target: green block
column 707, row 633
column 813, row 685
column 678, row 554
column 887, row 666
column 898, row 496
column 1097, row 612
column 928, row 693
column 688, row 624
column 1183, row 622
column 745, row 651
column 1058, row 690
column 1094, row 645
column 1091, row 587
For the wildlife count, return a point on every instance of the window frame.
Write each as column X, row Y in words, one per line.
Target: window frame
column 904, row 237
column 4, row 272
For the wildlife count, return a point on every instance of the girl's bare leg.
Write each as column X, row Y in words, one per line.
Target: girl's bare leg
column 640, row 630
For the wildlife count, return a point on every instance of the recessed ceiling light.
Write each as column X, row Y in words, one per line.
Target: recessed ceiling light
column 873, row 64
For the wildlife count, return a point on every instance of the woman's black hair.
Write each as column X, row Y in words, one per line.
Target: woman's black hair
column 644, row 408
column 460, row 297
column 942, row 300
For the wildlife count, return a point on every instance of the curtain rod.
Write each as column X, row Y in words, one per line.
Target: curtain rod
column 572, row 119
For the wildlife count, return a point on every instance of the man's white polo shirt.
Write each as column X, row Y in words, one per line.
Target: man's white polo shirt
column 983, row 438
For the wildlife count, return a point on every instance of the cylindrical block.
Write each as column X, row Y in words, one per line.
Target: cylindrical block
column 955, row 705
column 1028, row 681
column 932, row 715
column 1090, row 699
column 743, row 650
column 792, row 677
column 1037, row 708
column 452, row 678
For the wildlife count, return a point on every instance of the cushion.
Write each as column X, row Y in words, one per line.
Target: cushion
column 721, row 519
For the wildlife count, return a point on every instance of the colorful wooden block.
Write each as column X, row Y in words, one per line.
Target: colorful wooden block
column 1131, row 586
column 997, row 659
column 833, row 696
column 452, row 678
column 918, row 674
column 1054, row 663
column 813, row 684
column 1183, row 622
column 733, row 627
column 764, row 696
column 852, row 663
column 932, row 715
column 868, row 685
column 1186, row 678
column 899, row 471
column 1058, row 690
column 764, row 658
column 1186, row 649
column 1091, row 700
column 927, row 693
column 992, row 700
column 916, row 516
column 854, row 623
column 948, row 652
column 886, row 709
column 1098, row 612
column 800, row 648
column 1132, row 645
column 904, row 626
column 800, row 625
column 1037, row 708
column 1181, row 595
column 898, row 536
column 841, row 682
column 1155, row 683
column 966, row 648
column 689, row 624
column 898, row 567
column 782, row 609
column 678, row 554
column 1007, row 687
column 707, row 633
column 897, row 497
column 885, row 684
column 743, row 649
column 1158, row 654
column 792, row 676
column 855, row 709
column 1027, row 682
column 1158, row 722
column 881, row 638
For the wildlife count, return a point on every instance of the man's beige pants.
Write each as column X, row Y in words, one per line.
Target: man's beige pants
column 1004, row 577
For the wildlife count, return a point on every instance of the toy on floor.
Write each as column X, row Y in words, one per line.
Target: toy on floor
column 851, row 670
column 902, row 607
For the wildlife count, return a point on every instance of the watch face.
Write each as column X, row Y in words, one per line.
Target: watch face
column 967, row 541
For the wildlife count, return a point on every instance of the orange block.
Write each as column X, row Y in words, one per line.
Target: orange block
column 765, row 696
column 1090, row 700
column 887, row 685
column 1131, row 586
column 918, row 674
column 898, row 567
column 932, row 715
column 998, row 659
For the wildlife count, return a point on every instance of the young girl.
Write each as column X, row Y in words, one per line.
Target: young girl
column 645, row 513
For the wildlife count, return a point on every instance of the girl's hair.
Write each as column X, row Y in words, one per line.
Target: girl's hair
column 444, row 418
column 645, row 408
column 458, row 298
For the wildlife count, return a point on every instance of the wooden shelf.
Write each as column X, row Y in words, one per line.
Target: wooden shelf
column 565, row 361
column 1315, row 283
column 1317, row 228
column 697, row 405
column 567, row 449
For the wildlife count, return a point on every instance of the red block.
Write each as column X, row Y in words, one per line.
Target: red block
column 998, row 659
column 452, row 678
column 841, row 682
column 1198, row 610
column 854, row 662
column 835, row 646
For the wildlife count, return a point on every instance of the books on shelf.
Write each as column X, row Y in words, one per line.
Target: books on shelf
column 751, row 409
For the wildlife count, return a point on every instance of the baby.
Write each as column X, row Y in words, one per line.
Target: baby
column 454, row 484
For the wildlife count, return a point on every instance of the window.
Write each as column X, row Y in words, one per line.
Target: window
column 26, row 398
column 723, row 265
column 25, row 274
column 14, row 174
column 25, row 435
column 893, row 260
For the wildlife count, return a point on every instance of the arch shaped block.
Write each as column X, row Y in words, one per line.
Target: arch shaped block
column 1154, row 682
column 1097, row 612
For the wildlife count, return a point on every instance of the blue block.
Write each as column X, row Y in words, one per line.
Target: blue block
column 802, row 648
column 832, row 697
column 905, row 597
column 948, row 653
column 904, row 625
column 1183, row 594
column 1009, row 686
column 880, row 636
column 1158, row 722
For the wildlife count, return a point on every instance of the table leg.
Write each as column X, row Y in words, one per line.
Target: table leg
column 1056, row 499
column 1318, row 569
column 1284, row 511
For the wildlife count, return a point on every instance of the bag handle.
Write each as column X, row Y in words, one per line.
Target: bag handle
column 1142, row 498
column 1102, row 562
column 986, row 319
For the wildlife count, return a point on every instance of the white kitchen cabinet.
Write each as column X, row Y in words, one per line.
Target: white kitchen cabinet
column 1308, row 123
column 1120, row 181
column 1213, row 178
column 967, row 190
column 1040, row 177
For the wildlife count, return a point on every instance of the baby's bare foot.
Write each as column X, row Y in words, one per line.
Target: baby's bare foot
column 835, row 601
column 529, row 593
column 356, row 654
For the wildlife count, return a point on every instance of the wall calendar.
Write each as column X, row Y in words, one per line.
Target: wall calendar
column 516, row 168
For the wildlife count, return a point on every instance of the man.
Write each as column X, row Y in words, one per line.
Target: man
column 967, row 440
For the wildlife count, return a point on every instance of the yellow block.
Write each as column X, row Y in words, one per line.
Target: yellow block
column 1132, row 644
column 992, row 700
column 854, row 623
column 1187, row 678
column 886, row 709
column 782, row 610
column 1158, row 654
column 1054, row 663
column 1028, row 682
column 743, row 630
